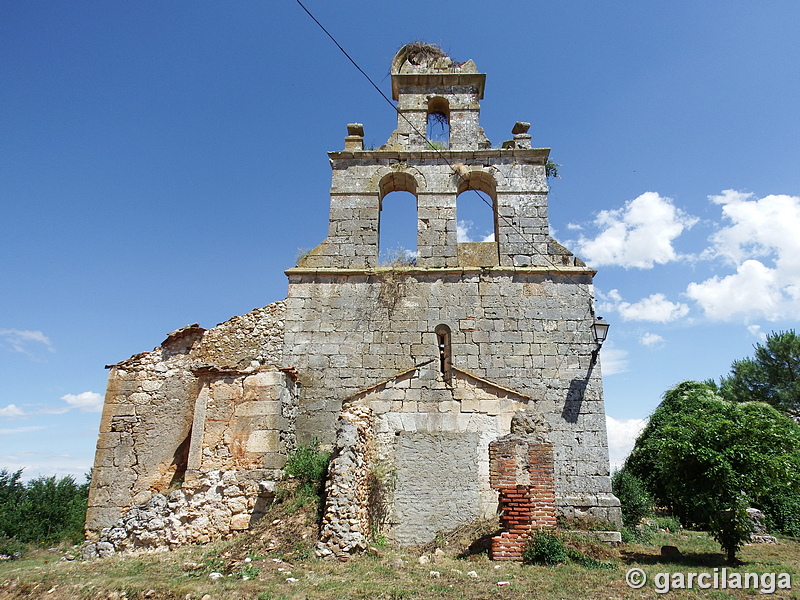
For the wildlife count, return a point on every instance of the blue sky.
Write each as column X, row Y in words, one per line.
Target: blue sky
column 161, row 163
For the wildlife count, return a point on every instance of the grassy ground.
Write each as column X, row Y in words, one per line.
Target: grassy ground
column 276, row 561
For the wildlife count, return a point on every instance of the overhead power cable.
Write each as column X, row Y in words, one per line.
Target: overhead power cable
column 417, row 131
column 590, row 310
column 437, row 150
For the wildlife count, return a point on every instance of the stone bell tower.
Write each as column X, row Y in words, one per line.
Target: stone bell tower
column 446, row 387
column 442, row 354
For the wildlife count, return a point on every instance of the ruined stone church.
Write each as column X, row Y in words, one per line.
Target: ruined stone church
column 447, row 388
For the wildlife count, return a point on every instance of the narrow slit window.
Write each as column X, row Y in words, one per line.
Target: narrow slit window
column 445, row 352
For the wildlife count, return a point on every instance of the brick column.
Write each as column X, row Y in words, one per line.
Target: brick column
column 522, row 471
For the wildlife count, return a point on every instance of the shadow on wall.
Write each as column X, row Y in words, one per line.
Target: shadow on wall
column 572, row 405
column 180, row 461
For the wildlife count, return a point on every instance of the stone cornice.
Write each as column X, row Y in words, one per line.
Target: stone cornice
column 549, row 270
column 437, row 79
column 534, row 155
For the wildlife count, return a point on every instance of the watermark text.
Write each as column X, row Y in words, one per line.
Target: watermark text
column 718, row 579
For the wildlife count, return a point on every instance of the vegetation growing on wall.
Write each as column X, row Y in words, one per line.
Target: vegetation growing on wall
column 309, row 466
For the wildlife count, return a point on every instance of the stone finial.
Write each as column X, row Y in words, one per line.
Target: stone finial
column 355, row 137
column 520, row 127
column 522, row 139
column 355, row 129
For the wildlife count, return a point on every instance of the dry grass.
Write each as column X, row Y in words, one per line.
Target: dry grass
column 280, row 548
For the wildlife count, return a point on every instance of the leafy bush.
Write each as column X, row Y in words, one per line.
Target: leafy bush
column 309, row 465
column 782, row 514
column 670, row 524
column 637, row 535
column 635, row 501
column 545, row 548
column 11, row 547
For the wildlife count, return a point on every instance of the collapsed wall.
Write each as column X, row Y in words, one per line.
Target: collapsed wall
column 216, row 504
column 522, row 472
column 205, row 401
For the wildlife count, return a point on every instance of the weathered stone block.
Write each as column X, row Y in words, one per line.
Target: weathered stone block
column 262, row 441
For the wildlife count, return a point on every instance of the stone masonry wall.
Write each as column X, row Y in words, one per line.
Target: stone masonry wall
column 519, row 311
column 422, row 452
column 527, row 330
column 151, row 432
column 516, row 180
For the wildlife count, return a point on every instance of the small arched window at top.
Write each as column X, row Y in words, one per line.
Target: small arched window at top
column 445, row 353
column 438, row 125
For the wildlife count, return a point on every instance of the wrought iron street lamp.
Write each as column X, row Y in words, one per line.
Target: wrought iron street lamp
column 600, row 331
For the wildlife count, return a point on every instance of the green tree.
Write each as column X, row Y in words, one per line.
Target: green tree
column 771, row 376
column 634, row 499
column 708, row 459
column 46, row 509
column 53, row 510
column 12, row 492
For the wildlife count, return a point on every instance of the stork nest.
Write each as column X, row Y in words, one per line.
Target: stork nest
column 422, row 54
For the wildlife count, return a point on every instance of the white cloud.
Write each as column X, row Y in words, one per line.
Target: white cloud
column 762, row 240
column 638, row 235
column 20, row 340
column 12, row 410
column 463, row 229
column 753, row 289
column 654, row 308
column 614, row 360
column 622, row 436
column 27, row 429
column 85, row 401
column 756, row 332
column 765, row 227
column 651, row 339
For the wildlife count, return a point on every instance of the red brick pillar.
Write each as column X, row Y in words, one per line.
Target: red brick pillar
column 522, row 471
